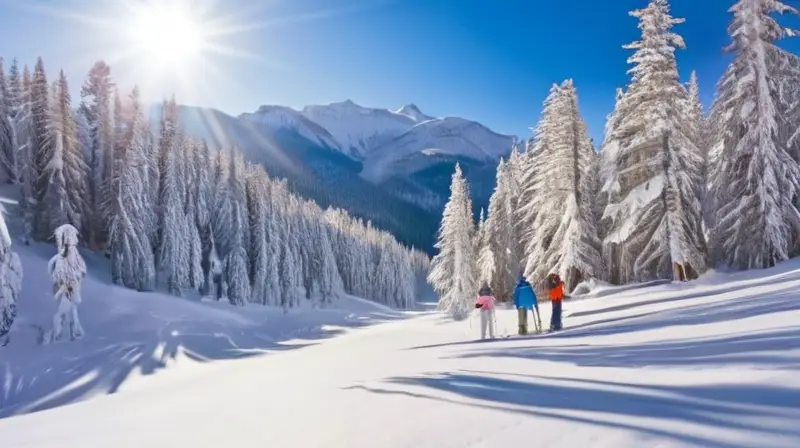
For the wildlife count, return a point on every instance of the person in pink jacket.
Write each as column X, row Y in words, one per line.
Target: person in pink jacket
column 485, row 303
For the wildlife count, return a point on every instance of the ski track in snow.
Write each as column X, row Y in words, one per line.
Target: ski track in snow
column 711, row 363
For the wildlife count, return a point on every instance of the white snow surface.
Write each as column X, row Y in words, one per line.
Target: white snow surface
column 712, row 363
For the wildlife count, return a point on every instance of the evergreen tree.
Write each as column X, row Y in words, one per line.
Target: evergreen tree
column 500, row 236
column 565, row 237
column 174, row 245
column 755, row 177
column 25, row 146
column 65, row 172
column 290, row 274
column 132, row 258
column 452, row 270
column 10, row 282
column 330, row 280
column 237, row 277
column 8, row 166
column 96, row 108
column 257, row 196
column 42, row 150
column 483, row 249
column 653, row 212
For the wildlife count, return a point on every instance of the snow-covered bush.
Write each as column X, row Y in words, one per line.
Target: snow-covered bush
column 67, row 269
column 10, row 283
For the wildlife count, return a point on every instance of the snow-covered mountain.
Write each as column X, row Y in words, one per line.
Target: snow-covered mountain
column 277, row 118
column 391, row 167
column 360, row 129
column 429, row 142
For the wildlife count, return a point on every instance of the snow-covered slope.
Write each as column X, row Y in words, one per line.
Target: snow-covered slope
column 136, row 339
column 275, row 118
column 442, row 137
column 706, row 364
column 361, row 129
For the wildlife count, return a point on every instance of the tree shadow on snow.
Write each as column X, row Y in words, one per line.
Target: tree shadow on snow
column 619, row 406
column 34, row 378
column 762, row 349
column 783, row 300
column 674, row 295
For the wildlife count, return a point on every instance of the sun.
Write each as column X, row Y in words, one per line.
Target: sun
column 167, row 35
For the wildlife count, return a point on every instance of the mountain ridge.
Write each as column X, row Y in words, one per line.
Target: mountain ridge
column 390, row 167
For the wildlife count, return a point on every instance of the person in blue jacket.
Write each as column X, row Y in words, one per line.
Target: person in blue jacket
column 524, row 300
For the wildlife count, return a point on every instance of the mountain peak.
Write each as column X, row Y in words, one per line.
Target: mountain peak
column 412, row 111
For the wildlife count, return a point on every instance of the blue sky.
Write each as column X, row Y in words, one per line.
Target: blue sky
column 491, row 61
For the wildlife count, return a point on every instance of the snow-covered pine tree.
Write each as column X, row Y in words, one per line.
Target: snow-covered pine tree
column 290, row 272
column 224, row 213
column 96, row 108
column 174, row 245
column 754, row 178
column 653, row 212
column 24, row 144
column 10, row 281
column 527, row 211
column 257, row 197
column 273, row 280
column 452, row 269
column 500, row 235
column 237, row 277
column 694, row 112
column 405, row 295
column 385, row 277
column 191, row 176
column 42, row 150
column 65, row 189
column 132, row 258
column 565, row 237
column 238, row 198
column 483, row 249
column 8, row 166
column 329, row 278
column 14, row 98
column 67, row 269
column 516, row 172
column 607, row 161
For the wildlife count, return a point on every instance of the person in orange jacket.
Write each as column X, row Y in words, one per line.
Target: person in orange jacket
column 556, row 287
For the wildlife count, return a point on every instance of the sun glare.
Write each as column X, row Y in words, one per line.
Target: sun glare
column 167, row 35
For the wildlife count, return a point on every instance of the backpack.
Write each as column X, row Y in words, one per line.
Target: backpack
column 553, row 280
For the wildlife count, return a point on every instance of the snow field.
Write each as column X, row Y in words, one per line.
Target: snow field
column 710, row 363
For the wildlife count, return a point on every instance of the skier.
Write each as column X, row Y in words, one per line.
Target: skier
column 524, row 300
column 556, row 287
column 485, row 304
